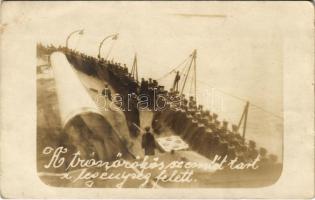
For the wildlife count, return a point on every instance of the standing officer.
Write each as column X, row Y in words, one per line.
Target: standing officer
column 148, row 142
column 175, row 84
column 107, row 93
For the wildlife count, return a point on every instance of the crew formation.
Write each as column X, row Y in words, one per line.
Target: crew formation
column 199, row 127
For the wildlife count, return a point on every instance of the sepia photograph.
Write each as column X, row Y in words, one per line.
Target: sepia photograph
column 170, row 103
column 157, row 99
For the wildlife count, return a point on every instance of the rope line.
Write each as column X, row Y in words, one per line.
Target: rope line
column 243, row 100
column 182, row 72
column 168, row 73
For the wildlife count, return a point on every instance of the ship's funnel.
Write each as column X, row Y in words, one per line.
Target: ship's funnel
column 87, row 129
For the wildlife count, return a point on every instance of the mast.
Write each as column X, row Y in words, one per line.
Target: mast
column 134, row 69
column 192, row 62
column 244, row 116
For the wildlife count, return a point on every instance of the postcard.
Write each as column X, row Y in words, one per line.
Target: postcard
column 157, row 99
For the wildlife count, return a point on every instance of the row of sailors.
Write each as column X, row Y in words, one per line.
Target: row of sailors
column 203, row 130
column 206, row 134
column 84, row 62
column 119, row 73
column 120, row 78
column 197, row 126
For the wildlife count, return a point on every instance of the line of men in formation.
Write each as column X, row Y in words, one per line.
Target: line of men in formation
column 205, row 133
column 197, row 126
column 201, row 129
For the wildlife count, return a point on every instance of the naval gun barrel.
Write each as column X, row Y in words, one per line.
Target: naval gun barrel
column 87, row 129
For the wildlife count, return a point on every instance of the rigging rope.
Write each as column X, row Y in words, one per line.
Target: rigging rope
column 221, row 91
column 191, row 84
column 168, row 73
column 243, row 100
